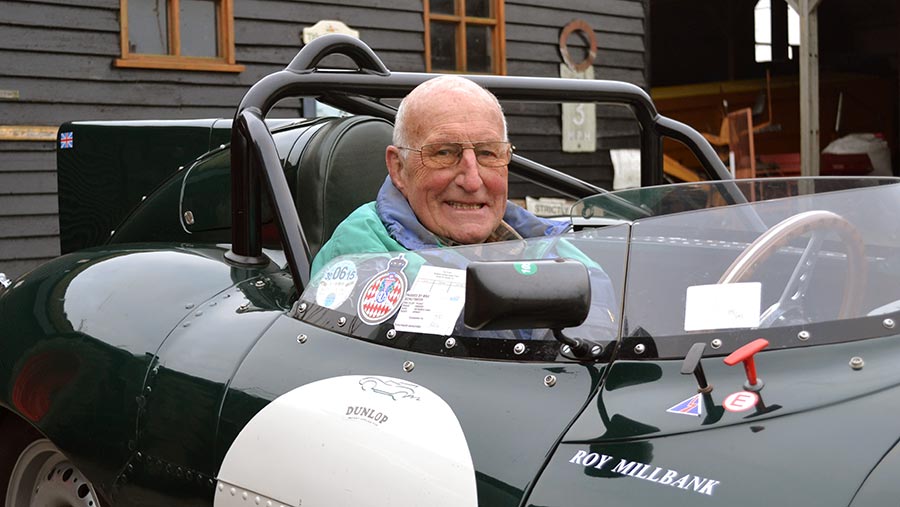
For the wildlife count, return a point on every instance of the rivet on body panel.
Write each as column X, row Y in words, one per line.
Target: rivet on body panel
column 450, row 343
column 189, row 217
column 301, row 339
column 519, row 349
column 803, row 335
column 888, row 323
column 857, row 363
column 717, row 343
column 408, row 366
column 550, row 380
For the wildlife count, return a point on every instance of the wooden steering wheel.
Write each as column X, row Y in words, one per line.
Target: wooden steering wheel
column 818, row 223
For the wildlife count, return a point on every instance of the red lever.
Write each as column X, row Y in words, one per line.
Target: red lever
column 745, row 355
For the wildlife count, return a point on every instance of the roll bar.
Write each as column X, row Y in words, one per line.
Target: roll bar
column 254, row 161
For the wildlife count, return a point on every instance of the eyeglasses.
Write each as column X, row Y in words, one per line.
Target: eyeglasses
column 441, row 155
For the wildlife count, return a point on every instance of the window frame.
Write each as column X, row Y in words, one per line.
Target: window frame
column 224, row 62
column 498, row 42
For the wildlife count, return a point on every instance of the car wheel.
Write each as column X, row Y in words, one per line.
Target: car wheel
column 35, row 472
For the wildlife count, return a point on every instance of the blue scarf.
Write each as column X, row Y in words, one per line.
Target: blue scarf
column 401, row 222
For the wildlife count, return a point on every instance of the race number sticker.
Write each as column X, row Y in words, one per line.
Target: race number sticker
column 722, row 306
column 383, row 293
column 336, row 285
column 434, row 302
column 740, row 401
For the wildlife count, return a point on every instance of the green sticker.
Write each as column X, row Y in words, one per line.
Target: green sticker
column 526, row 268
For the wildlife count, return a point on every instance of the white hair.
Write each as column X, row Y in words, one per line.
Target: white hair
column 440, row 83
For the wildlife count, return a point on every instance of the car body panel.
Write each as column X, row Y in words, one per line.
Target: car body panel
column 529, row 411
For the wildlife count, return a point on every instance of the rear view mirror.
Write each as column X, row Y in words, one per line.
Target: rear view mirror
column 551, row 294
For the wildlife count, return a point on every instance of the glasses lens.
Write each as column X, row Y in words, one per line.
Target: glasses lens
column 492, row 154
column 441, row 154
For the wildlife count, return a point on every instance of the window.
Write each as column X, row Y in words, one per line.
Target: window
column 465, row 36
column 178, row 34
column 762, row 23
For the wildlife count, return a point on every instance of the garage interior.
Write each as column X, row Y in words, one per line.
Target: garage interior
column 704, row 72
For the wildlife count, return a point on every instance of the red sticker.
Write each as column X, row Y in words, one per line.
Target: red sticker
column 740, row 401
column 383, row 293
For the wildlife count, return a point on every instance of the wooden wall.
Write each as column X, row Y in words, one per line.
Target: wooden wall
column 532, row 49
column 63, row 70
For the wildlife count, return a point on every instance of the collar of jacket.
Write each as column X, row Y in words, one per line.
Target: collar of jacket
column 399, row 219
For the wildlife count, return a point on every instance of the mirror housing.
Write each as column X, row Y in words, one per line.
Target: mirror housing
column 546, row 293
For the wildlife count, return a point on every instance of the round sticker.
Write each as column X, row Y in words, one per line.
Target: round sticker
column 383, row 293
column 526, row 268
column 336, row 285
column 740, row 401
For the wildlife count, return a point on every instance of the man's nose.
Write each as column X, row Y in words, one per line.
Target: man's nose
column 469, row 177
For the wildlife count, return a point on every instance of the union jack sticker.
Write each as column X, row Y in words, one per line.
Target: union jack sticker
column 66, row 140
column 383, row 293
column 691, row 406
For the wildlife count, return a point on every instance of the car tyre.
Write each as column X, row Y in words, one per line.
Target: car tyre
column 33, row 471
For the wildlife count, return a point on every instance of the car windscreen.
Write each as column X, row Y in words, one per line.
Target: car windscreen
column 801, row 262
column 415, row 300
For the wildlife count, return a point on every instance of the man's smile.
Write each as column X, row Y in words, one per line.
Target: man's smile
column 465, row 206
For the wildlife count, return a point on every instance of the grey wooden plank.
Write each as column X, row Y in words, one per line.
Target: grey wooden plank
column 605, row 127
column 28, row 204
column 37, row 14
column 515, row 109
column 27, row 146
column 289, row 35
column 27, row 182
column 550, row 35
column 28, row 226
column 355, row 16
column 15, row 161
column 60, row 40
column 36, row 90
column 546, row 53
column 529, row 142
column 99, row 68
column 626, row 8
column 29, row 248
column 549, row 16
column 106, row 4
column 536, row 69
column 54, row 114
column 403, row 5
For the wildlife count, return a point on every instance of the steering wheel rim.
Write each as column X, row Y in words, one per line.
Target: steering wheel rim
column 797, row 225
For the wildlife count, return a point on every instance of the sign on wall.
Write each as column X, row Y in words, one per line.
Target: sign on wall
column 579, row 121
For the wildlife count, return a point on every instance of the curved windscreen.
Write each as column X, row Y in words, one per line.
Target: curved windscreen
column 798, row 262
column 416, row 299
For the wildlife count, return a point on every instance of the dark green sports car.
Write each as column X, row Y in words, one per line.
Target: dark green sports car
column 191, row 358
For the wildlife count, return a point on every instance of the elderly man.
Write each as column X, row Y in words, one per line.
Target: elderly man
column 447, row 181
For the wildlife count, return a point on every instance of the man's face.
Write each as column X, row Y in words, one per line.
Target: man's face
column 464, row 202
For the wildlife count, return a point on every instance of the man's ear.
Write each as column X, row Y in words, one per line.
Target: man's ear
column 395, row 166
